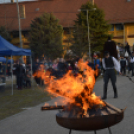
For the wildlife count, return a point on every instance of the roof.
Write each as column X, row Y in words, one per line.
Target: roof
column 117, row 11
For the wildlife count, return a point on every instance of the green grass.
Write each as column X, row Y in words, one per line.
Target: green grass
column 26, row 98
column 21, row 99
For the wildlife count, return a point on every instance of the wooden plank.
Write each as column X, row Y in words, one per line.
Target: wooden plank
column 104, row 112
column 52, row 107
column 114, row 108
column 111, row 111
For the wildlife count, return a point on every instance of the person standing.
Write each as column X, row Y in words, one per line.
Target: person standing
column 96, row 62
column 118, row 51
column 110, row 46
column 127, row 50
column 20, row 71
column 132, row 64
column 123, row 64
column 28, row 78
column 109, row 64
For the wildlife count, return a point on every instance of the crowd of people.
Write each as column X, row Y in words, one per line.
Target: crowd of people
column 59, row 66
column 20, row 70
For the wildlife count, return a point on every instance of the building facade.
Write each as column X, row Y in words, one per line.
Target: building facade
column 118, row 13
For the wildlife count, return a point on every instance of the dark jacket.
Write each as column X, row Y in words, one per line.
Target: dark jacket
column 20, row 71
column 110, row 46
column 127, row 48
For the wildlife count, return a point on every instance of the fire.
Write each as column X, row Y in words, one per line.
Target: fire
column 78, row 89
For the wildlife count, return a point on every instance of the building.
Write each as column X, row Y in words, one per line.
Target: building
column 119, row 13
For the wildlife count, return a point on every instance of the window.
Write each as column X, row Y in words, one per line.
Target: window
column 66, row 31
column 112, row 28
column 15, row 34
column 22, row 12
column 119, row 27
column 25, row 33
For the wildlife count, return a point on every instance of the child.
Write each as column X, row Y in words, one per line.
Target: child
column 123, row 64
column 96, row 61
column 28, row 78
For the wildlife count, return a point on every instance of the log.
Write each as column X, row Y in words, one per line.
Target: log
column 114, row 108
column 111, row 111
column 104, row 112
column 52, row 107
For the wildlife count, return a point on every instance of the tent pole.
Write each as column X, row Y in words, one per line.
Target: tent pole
column 5, row 73
column 31, row 73
column 12, row 73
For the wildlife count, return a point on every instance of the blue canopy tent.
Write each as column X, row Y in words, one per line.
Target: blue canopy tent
column 7, row 49
column 10, row 61
column 3, row 59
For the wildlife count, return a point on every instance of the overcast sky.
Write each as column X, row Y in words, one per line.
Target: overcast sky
column 7, row 1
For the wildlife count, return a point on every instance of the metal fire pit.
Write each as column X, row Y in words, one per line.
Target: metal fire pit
column 90, row 123
column 102, row 118
column 98, row 119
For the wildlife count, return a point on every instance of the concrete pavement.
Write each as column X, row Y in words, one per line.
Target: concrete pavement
column 35, row 121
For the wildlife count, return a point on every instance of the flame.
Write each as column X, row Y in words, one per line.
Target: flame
column 55, row 104
column 78, row 89
column 46, row 104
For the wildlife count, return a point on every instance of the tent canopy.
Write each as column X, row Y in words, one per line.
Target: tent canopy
column 3, row 60
column 7, row 49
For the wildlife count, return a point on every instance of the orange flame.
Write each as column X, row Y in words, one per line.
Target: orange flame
column 78, row 89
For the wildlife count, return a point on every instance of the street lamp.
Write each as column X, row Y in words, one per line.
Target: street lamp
column 19, row 24
column 87, row 10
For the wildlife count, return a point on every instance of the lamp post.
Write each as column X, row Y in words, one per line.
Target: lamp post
column 87, row 10
column 20, row 37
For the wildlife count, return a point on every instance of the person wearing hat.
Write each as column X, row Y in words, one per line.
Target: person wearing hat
column 110, row 63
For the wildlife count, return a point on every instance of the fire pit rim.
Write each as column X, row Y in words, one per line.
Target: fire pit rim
column 122, row 110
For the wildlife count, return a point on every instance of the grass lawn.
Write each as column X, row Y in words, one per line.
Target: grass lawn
column 21, row 99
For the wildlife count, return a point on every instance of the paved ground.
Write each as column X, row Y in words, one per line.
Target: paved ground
column 35, row 121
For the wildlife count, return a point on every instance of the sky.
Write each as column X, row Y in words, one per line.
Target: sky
column 7, row 1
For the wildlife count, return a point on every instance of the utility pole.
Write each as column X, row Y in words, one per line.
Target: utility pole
column 88, row 35
column 87, row 10
column 20, row 37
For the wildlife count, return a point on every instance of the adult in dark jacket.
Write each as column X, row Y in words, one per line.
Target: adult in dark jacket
column 61, row 67
column 110, row 46
column 20, row 72
column 127, row 49
column 2, row 72
column 109, row 64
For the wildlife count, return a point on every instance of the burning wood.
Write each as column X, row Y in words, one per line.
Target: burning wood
column 73, row 111
column 52, row 107
column 112, row 107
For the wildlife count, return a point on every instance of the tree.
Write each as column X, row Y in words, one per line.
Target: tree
column 46, row 36
column 4, row 33
column 98, row 28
